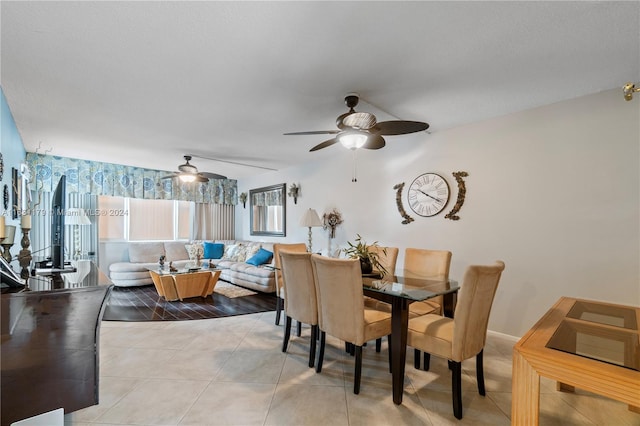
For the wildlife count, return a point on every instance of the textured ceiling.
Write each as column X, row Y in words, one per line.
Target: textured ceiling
column 143, row 83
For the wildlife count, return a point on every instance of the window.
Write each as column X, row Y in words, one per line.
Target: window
column 135, row 219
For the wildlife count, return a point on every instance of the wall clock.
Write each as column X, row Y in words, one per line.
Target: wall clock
column 428, row 194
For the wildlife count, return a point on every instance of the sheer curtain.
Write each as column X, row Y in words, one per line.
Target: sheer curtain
column 213, row 222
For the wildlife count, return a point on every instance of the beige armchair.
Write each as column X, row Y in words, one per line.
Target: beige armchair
column 341, row 310
column 296, row 247
column 300, row 301
column 463, row 336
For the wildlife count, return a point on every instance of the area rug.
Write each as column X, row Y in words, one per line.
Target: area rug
column 144, row 304
column 232, row 291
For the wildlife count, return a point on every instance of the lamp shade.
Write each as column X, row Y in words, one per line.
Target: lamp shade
column 76, row 216
column 310, row 219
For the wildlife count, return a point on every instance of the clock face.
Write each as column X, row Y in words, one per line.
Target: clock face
column 428, row 194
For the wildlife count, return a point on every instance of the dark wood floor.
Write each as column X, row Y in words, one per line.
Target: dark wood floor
column 144, row 304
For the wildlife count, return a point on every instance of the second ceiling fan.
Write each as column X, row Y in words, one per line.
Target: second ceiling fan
column 362, row 130
column 189, row 173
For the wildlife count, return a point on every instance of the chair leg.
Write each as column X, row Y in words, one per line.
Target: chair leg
column 287, row 333
column 480, row 373
column 378, row 344
column 312, row 345
column 426, row 361
column 390, row 354
column 456, row 388
column 416, row 358
column 352, row 349
column 346, row 347
column 299, row 330
column 358, row 373
column 278, row 309
column 321, row 353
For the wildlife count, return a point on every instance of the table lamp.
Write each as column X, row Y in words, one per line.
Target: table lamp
column 76, row 217
column 310, row 220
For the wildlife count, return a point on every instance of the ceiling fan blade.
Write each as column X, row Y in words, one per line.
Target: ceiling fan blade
column 324, row 144
column 399, row 127
column 201, row 179
column 316, row 132
column 170, row 176
column 374, row 142
column 360, row 120
column 212, row 175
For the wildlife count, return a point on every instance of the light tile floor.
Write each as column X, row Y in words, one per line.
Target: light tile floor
column 231, row 371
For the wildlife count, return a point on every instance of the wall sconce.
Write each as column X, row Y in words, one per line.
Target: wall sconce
column 294, row 191
column 243, row 198
column 628, row 90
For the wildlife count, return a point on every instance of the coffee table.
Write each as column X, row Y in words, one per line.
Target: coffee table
column 581, row 344
column 184, row 283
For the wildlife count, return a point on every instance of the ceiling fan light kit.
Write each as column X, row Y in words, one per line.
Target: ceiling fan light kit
column 353, row 139
column 362, row 130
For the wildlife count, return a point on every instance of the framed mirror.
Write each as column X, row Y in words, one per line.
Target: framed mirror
column 268, row 210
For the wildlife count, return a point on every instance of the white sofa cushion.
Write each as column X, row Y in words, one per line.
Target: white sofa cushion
column 148, row 252
column 175, row 250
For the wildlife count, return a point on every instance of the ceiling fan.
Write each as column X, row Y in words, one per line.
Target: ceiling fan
column 362, row 130
column 189, row 173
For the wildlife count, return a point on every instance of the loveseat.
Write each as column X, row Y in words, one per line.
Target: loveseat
column 230, row 256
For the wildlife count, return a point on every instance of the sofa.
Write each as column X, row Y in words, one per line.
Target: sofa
column 230, row 258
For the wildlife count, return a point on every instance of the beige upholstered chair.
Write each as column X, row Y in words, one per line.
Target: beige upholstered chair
column 423, row 263
column 388, row 259
column 387, row 256
column 463, row 336
column 300, row 301
column 298, row 248
column 341, row 310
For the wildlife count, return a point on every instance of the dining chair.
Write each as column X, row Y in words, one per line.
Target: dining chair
column 300, row 296
column 424, row 263
column 464, row 335
column 388, row 257
column 341, row 309
column 295, row 247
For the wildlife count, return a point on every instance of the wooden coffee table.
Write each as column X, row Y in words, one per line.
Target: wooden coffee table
column 183, row 284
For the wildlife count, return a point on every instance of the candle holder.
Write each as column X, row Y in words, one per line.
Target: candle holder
column 7, row 241
column 25, row 254
column 6, row 253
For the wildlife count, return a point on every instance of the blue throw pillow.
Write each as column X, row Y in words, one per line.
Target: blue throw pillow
column 213, row 250
column 260, row 258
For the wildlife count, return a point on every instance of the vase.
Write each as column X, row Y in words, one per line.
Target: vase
column 365, row 265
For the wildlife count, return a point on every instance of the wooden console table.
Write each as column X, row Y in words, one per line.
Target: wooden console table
column 50, row 344
column 581, row 344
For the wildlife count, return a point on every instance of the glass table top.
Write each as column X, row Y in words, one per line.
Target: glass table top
column 416, row 289
column 601, row 332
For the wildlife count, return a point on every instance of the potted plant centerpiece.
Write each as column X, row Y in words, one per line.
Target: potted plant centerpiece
column 368, row 258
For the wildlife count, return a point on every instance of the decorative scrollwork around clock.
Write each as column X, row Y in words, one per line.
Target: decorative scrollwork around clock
column 407, row 219
column 462, row 190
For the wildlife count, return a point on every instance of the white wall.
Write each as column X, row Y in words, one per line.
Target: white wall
column 553, row 191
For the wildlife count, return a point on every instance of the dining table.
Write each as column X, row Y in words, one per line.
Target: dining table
column 400, row 292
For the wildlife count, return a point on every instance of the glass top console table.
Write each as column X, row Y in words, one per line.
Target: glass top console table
column 586, row 344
